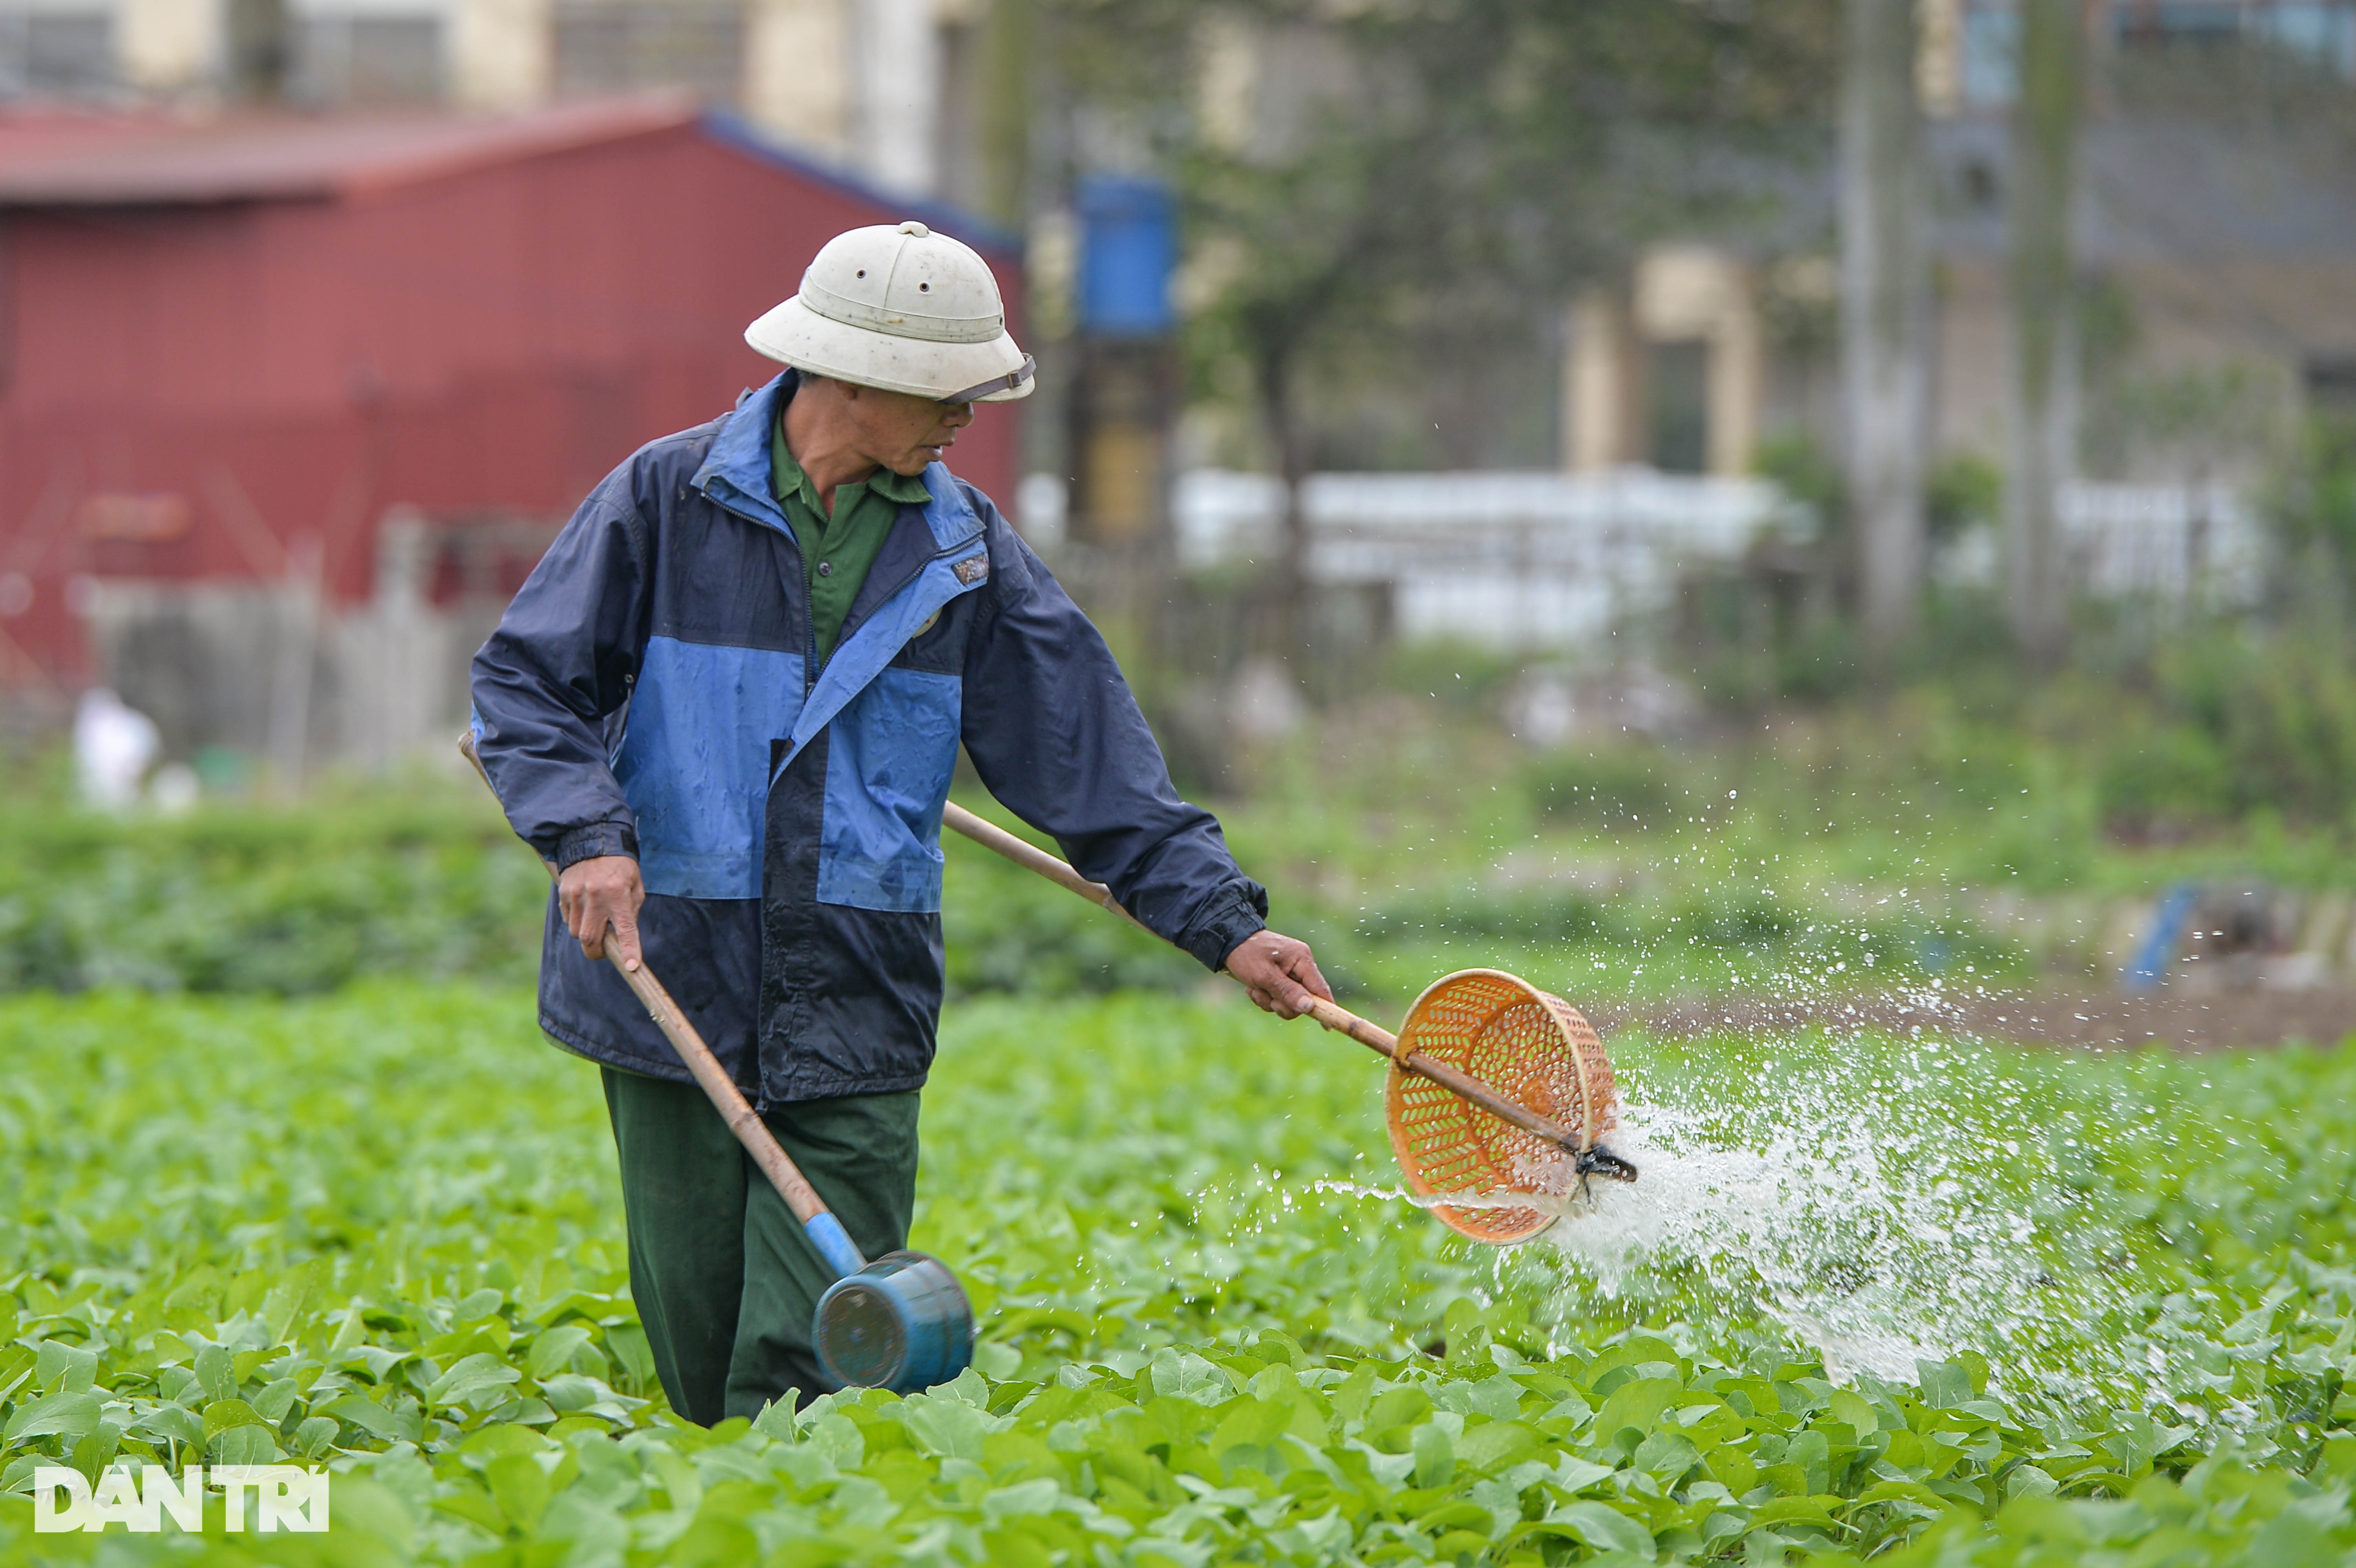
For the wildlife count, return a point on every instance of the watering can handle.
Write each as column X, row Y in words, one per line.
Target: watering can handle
column 826, row 1233
column 1339, row 1019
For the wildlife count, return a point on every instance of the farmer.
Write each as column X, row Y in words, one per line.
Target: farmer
column 727, row 705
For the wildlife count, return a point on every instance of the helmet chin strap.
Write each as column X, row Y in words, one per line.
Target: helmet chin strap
column 1006, row 383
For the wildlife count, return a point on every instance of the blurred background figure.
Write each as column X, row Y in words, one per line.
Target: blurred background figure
column 113, row 747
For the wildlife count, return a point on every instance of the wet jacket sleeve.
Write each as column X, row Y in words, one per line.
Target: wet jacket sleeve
column 1056, row 735
column 557, row 668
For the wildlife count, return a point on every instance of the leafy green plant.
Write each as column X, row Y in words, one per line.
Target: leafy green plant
column 2281, row 709
column 378, row 1231
column 1614, row 788
column 248, row 898
column 2175, row 773
column 1966, row 490
column 2313, row 506
column 1810, row 478
column 1458, row 673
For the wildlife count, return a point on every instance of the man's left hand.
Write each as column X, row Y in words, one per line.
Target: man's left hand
column 1279, row 973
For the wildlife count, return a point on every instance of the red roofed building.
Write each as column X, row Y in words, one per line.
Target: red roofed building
column 275, row 385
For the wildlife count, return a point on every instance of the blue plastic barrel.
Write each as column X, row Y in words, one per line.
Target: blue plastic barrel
column 1129, row 247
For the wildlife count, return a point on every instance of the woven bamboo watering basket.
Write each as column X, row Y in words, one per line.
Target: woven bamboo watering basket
column 1531, row 1046
column 1497, row 1089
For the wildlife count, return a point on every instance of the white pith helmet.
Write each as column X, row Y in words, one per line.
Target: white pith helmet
column 904, row 309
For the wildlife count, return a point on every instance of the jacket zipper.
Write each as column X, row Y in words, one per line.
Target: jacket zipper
column 809, row 627
column 793, row 543
column 918, row 571
column 810, row 623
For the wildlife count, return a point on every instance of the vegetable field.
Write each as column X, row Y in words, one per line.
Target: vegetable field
column 1874, row 1300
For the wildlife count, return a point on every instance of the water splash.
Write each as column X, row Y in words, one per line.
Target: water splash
column 1883, row 1202
column 1809, row 1235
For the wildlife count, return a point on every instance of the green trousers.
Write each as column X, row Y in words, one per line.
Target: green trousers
column 724, row 1277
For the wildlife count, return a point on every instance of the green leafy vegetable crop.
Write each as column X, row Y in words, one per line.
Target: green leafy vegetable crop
column 300, row 898
column 378, row 1231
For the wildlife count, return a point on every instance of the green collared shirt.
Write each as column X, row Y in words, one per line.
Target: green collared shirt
column 838, row 550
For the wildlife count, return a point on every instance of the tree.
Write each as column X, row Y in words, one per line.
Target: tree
column 2044, row 281
column 1885, row 302
column 1306, row 250
column 1491, row 156
column 1009, row 47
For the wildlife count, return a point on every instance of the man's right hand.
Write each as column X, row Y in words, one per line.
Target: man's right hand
column 595, row 893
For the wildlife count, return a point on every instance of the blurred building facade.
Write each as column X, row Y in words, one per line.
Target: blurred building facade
column 289, row 404
column 1970, row 47
column 871, row 84
column 1668, row 374
column 2217, row 246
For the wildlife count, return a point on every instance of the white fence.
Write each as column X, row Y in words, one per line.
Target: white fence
column 1514, row 560
column 2163, row 539
column 1554, row 561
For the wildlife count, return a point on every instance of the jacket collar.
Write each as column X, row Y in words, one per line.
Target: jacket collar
column 950, row 517
column 737, row 472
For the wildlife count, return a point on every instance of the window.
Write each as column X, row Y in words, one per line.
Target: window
column 1980, row 187
column 1677, row 374
column 2323, row 31
column 621, row 46
column 1991, row 53
column 56, row 54
column 2331, row 384
column 2152, row 21
column 368, row 60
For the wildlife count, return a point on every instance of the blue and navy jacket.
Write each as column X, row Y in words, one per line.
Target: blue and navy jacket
column 653, row 692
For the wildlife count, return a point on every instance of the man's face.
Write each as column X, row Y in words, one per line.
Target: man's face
column 902, row 433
